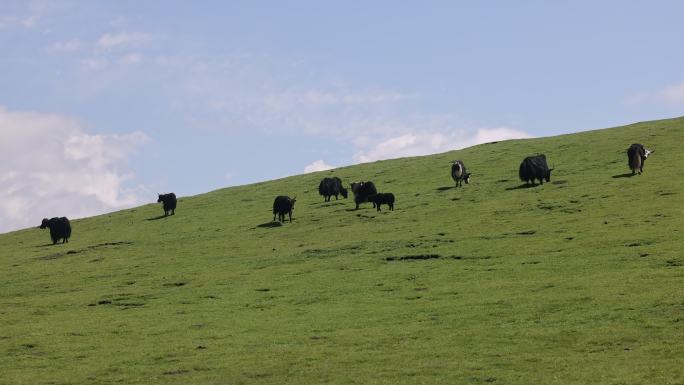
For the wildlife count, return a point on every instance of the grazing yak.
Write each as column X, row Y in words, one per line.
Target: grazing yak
column 331, row 186
column 459, row 173
column 60, row 228
column 636, row 156
column 382, row 198
column 283, row 205
column 169, row 203
column 535, row 167
column 363, row 190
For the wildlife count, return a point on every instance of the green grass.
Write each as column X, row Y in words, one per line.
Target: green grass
column 578, row 281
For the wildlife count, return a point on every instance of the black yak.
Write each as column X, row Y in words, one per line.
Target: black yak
column 60, row 228
column 459, row 173
column 331, row 186
column 283, row 205
column 362, row 190
column 169, row 203
column 535, row 167
column 636, row 156
column 382, row 198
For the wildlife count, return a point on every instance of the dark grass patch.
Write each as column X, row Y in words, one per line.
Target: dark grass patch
column 522, row 186
column 414, row 257
column 78, row 251
column 557, row 182
column 528, row 232
column 175, row 284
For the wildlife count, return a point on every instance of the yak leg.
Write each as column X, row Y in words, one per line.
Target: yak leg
column 290, row 214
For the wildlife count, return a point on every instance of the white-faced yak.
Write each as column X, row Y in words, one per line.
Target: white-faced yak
column 459, row 173
column 362, row 190
column 636, row 156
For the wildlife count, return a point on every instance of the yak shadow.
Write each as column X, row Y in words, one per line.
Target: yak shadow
column 445, row 188
column 625, row 175
column 157, row 218
column 270, row 224
column 49, row 244
column 524, row 185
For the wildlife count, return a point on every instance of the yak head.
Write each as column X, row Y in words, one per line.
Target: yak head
column 547, row 177
column 647, row 152
column 467, row 177
column 343, row 191
column 44, row 224
column 293, row 200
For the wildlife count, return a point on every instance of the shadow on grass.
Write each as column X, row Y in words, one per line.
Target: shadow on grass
column 49, row 244
column 157, row 218
column 524, row 185
column 445, row 188
column 270, row 224
column 625, row 175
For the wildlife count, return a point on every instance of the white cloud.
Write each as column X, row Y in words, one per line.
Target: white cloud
column 318, row 165
column 673, row 94
column 431, row 142
column 53, row 167
column 66, row 46
column 669, row 95
column 131, row 58
column 95, row 63
column 312, row 97
column 122, row 39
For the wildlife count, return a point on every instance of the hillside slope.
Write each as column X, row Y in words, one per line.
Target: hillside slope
column 577, row 281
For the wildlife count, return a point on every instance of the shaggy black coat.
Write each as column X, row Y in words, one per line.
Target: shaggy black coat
column 362, row 190
column 636, row 156
column 535, row 167
column 331, row 186
column 169, row 203
column 60, row 228
column 283, row 205
column 382, row 199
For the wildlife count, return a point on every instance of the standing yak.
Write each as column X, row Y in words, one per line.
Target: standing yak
column 362, row 191
column 60, row 228
column 535, row 167
column 636, row 156
column 169, row 203
column 459, row 173
column 384, row 199
column 331, row 186
column 283, row 205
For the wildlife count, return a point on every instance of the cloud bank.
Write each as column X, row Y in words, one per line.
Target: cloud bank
column 418, row 143
column 53, row 167
column 318, row 165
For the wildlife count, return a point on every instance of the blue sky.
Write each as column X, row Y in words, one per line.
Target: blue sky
column 104, row 104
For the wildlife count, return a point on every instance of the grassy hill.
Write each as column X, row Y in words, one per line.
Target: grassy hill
column 578, row 281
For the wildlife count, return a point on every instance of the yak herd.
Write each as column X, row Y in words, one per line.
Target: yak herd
column 532, row 168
